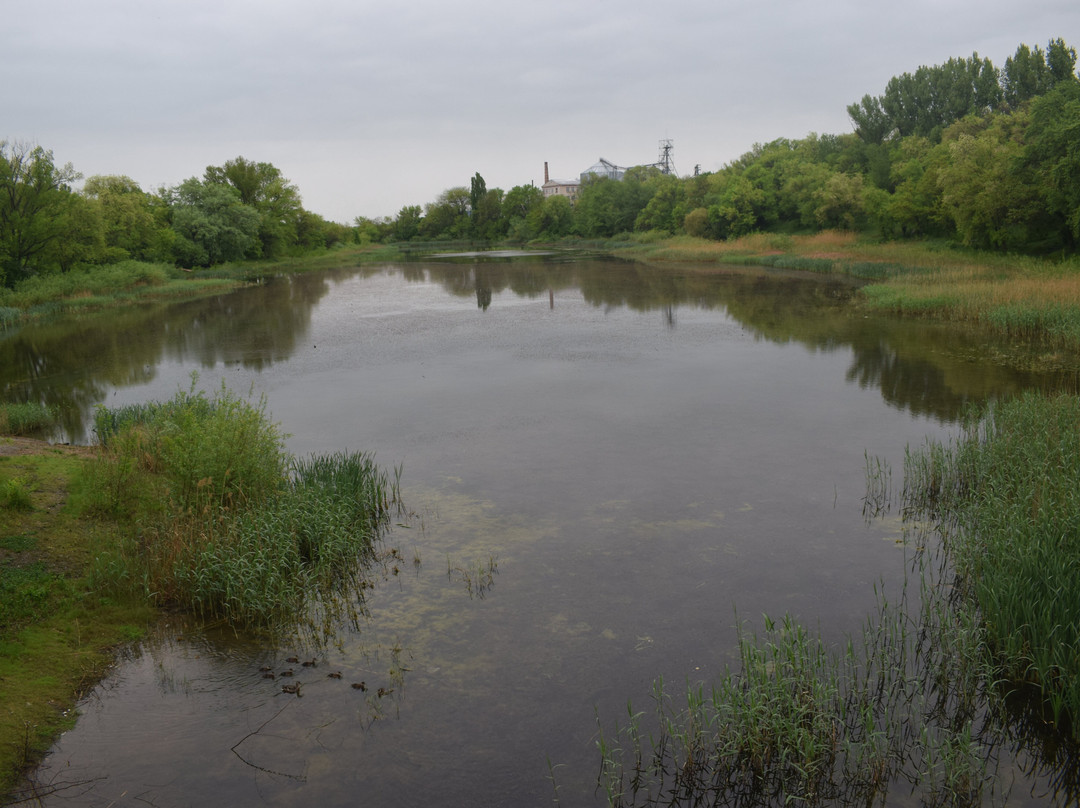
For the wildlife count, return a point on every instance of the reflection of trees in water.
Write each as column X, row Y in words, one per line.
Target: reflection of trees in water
column 915, row 385
column 69, row 363
column 930, row 370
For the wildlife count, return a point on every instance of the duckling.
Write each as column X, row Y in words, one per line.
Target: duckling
column 385, row 691
column 293, row 659
column 334, row 675
column 293, row 688
column 359, row 686
column 289, row 672
column 309, row 663
column 268, row 675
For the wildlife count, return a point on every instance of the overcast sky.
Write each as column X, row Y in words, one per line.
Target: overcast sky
column 368, row 106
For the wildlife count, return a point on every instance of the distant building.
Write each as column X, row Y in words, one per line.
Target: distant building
column 567, row 188
column 604, row 168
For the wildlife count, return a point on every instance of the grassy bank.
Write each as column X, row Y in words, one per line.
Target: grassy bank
column 189, row 504
column 1019, row 297
column 134, row 282
column 57, row 632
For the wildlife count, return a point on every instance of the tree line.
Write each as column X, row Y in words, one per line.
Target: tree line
column 236, row 211
column 988, row 157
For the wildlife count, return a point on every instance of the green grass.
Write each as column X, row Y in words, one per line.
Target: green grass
column 26, row 419
column 56, row 633
column 1007, row 497
column 906, row 707
column 224, row 522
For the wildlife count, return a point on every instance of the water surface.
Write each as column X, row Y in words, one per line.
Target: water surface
column 610, row 466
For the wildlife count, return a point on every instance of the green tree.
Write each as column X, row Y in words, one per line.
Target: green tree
column 666, row 209
column 840, row 202
column 211, row 223
column 448, row 216
column 35, row 198
column 518, row 203
column 985, row 187
column 914, row 208
column 928, row 100
column 871, row 122
column 606, row 207
column 406, row 225
column 130, row 228
column 1025, row 75
column 1052, row 152
column 477, row 189
column 553, row 219
column 262, row 187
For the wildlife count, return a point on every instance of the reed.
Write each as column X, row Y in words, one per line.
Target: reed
column 226, row 523
column 1006, row 495
column 29, row 418
column 908, row 706
column 86, row 282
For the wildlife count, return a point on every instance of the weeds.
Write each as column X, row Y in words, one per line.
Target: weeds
column 904, row 706
column 224, row 522
column 478, row 578
column 986, row 655
column 15, row 496
column 26, row 419
column 1007, row 499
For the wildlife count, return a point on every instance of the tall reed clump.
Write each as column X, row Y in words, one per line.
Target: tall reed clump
column 1007, row 496
column 225, row 522
column 903, row 707
column 26, row 419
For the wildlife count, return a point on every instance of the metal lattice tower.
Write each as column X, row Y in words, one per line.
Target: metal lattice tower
column 665, row 163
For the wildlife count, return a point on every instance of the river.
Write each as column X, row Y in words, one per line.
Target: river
column 610, row 466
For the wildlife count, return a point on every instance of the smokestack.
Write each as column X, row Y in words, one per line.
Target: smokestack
column 545, row 173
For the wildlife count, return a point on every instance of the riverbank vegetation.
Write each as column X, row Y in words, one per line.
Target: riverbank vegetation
column 967, row 152
column 58, row 633
column 223, row 522
column 1027, row 298
column 978, row 668
column 190, row 504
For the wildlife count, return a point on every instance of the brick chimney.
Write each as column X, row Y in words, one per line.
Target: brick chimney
column 545, row 173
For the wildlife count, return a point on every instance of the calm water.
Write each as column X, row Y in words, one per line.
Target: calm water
column 626, row 461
